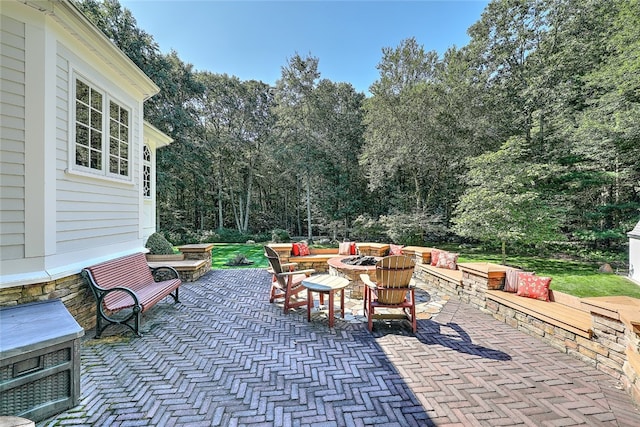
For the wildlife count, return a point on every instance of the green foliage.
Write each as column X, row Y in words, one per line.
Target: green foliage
column 279, row 235
column 505, row 200
column 368, row 229
column 413, row 229
column 158, row 245
column 558, row 80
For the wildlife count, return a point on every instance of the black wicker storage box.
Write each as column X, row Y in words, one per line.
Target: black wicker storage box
column 39, row 360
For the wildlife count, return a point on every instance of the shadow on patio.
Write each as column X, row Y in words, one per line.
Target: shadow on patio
column 225, row 356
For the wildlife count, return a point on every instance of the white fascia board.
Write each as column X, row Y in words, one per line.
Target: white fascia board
column 76, row 24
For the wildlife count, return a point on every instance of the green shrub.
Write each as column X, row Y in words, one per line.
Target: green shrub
column 230, row 235
column 158, row 245
column 280, row 236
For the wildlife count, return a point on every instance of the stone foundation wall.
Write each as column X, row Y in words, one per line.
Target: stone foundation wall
column 72, row 290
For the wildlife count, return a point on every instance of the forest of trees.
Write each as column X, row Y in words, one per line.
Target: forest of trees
column 530, row 134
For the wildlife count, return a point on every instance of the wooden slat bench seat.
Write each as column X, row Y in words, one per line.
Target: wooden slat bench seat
column 554, row 313
column 128, row 283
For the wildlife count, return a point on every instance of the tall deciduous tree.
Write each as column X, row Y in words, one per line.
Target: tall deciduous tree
column 339, row 186
column 506, row 199
column 295, row 110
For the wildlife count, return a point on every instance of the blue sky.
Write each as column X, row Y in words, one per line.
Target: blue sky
column 255, row 39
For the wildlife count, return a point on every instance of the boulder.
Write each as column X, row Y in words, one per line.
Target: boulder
column 606, row 268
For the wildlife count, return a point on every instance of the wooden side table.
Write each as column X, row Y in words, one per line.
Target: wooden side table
column 325, row 284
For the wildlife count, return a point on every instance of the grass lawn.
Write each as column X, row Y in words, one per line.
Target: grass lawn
column 580, row 279
column 224, row 252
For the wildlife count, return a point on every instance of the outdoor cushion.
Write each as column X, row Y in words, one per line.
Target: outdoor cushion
column 511, row 279
column 532, row 286
column 435, row 254
column 395, row 249
column 295, row 250
column 344, row 248
column 303, row 248
column 447, row 260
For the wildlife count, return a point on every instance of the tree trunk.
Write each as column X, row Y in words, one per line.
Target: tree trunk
column 309, row 230
column 245, row 224
column 220, row 216
column 298, row 218
column 504, row 252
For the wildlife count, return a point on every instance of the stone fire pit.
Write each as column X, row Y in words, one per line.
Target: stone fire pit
column 351, row 267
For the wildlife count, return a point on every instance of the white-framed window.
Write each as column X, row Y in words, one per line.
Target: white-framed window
column 102, row 138
column 146, row 171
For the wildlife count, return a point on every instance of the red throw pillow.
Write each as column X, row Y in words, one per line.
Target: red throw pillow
column 344, row 248
column 447, row 260
column 354, row 249
column 295, row 250
column 435, row 254
column 395, row 249
column 304, row 249
column 531, row 286
column 511, row 279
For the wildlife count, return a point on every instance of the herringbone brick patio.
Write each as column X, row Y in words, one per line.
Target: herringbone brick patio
column 226, row 357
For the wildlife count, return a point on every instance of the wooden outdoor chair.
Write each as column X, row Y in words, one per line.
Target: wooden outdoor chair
column 392, row 287
column 287, row 282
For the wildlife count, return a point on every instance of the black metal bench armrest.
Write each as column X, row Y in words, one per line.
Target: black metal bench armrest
column 163, row 273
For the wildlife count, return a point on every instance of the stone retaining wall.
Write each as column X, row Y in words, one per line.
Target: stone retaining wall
column 613, row 349
column 72, row 290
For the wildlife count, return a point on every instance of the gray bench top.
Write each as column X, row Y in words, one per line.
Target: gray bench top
column 28, row 327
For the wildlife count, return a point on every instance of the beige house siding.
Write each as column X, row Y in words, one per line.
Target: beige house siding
column 93, row 211
column 12, row 143
column 57, row 218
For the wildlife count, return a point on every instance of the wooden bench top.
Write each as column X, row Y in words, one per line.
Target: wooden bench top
column 183, row 265
column 554, row 313
column 443, row 273
column 313, row 257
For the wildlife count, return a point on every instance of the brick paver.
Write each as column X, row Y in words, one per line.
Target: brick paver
column 226, row 357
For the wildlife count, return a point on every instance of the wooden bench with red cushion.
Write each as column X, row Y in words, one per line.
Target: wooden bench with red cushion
column 128, row 283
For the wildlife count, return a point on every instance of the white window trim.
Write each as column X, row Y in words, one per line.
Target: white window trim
column 104, row 174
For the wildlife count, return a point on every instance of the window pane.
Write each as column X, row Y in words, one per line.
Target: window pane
column 82, row 135
column 114, row 130
column 96, row 160
column 124, row 133
column 82, row 113
column 118, row 139
column 82, row 92
column 114, row 111
column 96, row 100
column 146, row 179
column 146, row 153
column 113, row 164
column 124, row 167
column 96, row 140
column 113, row 146
column 82, row 156
column 96, row 119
